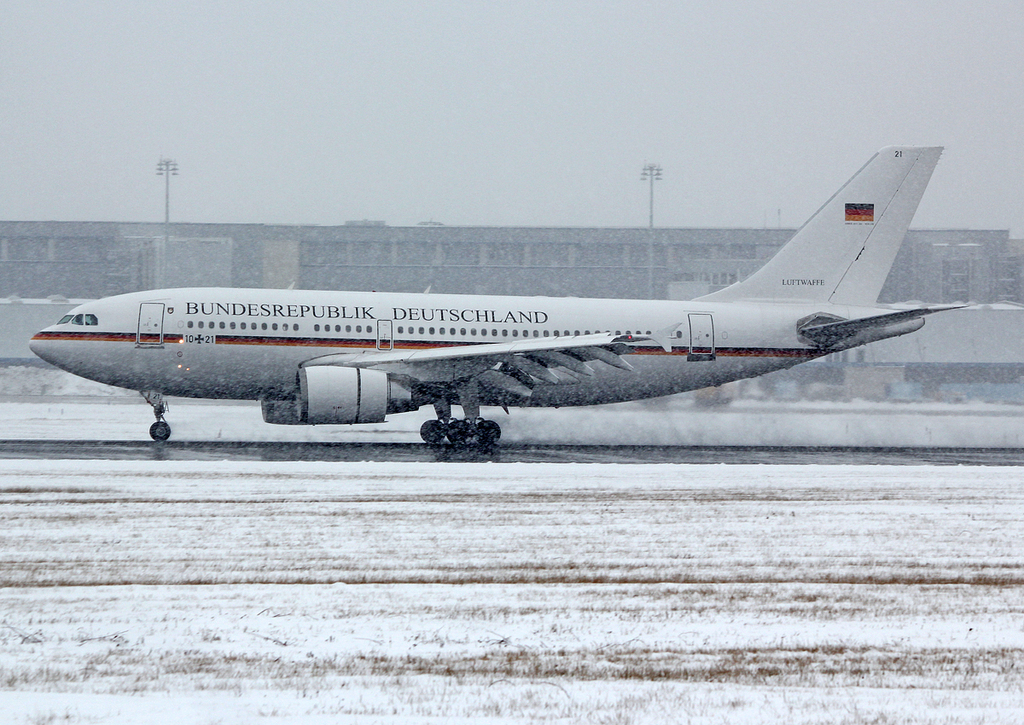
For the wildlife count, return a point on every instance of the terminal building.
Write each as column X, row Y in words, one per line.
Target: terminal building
column 46, row 265
column 96, row 259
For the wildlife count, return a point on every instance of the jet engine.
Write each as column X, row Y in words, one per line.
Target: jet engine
column 339, row 395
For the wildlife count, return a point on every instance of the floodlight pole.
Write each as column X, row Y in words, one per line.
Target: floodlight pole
column 651, row 173
column 165, row 168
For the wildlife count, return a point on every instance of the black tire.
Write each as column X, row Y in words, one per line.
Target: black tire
column 160, row 431
column 433, row 432
column 488, row 432
column 462, row 433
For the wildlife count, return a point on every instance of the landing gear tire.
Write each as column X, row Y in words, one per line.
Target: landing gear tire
column 433, row 432
column 462, row 433
column 488, row 432
column 160, row 431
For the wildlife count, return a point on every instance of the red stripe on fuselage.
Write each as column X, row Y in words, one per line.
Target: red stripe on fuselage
column 312, row 342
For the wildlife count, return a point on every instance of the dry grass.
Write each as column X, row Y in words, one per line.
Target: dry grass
column 526, row 599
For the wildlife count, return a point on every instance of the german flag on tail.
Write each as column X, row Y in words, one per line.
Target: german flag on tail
column 860, row 212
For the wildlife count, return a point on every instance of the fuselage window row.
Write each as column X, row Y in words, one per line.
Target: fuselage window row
column 400, row 330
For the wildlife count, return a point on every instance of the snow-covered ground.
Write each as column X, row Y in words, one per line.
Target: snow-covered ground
column 49, row 404
column 242, row 592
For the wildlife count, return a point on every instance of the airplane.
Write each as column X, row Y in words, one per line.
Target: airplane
column 332, row 357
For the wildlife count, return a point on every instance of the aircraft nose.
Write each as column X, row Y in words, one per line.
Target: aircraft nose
column 42, row 347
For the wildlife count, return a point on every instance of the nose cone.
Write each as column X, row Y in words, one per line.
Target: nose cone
column 45, row 347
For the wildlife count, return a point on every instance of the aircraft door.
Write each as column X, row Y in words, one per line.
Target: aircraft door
column 385, row 341
column 702, row 338
column 151, row 325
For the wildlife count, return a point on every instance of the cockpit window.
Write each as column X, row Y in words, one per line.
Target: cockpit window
column 86, row 319
column 65, row 319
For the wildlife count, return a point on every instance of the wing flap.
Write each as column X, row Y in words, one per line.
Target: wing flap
column 604, row 346
column 514, row 367
column 380, row 357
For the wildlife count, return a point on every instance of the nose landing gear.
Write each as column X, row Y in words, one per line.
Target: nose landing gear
column 161, row 430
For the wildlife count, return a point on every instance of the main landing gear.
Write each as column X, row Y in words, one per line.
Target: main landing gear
column 469, row 432
column 462, row 433
column 159, row 431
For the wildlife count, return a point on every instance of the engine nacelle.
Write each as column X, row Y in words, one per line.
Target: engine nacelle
column 282, row 412
column 339, row 395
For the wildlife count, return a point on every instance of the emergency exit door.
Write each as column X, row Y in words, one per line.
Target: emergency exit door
column 702, row 338
column 151, row 325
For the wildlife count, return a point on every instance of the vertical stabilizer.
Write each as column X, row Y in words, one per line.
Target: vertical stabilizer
column 844, row 252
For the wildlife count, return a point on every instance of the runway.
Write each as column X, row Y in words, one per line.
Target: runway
column 677, row 431
column 510, row 453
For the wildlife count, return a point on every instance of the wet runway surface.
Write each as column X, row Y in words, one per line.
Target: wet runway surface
column 510, row 453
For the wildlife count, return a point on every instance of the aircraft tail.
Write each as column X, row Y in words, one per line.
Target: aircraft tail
column 843, row 253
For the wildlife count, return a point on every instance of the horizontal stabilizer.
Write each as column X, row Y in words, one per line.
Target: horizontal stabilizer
column 832, row 334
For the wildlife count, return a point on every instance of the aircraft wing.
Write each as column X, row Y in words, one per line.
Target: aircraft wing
column 878, row 327
column 510, row 366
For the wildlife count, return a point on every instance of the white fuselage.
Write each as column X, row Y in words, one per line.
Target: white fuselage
column 249, row 343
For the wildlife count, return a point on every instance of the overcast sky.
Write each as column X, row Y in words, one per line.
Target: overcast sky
column 503, row 113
